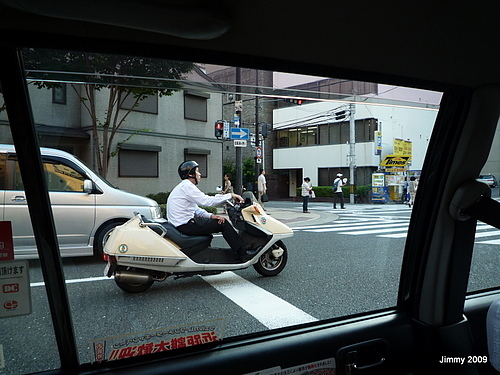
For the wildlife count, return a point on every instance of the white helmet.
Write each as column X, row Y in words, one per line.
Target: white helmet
column 339, row 174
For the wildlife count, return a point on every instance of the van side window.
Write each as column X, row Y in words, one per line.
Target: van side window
column 10, row 176
column 59, row 176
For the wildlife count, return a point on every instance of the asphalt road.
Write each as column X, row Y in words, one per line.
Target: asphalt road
column 340, row 262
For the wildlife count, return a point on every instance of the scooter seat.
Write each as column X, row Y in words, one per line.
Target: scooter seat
column 185, row 241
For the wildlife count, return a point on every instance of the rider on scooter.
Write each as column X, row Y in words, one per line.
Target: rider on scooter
column 184, row 213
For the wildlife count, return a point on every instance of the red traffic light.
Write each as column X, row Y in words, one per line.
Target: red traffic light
column 219, row 129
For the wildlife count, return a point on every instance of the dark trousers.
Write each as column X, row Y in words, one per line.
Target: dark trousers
column 339, row 197
column 305, row 202
column 201, row 226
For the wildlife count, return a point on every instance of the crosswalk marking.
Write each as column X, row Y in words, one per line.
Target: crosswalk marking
column 374, row 223
column 376, row 231
column 357, row 227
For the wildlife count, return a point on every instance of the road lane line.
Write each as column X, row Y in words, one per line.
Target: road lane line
column 359, row 227
column 270, row 310
column 74, row 281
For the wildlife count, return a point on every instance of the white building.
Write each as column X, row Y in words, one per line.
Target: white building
column 313, row 138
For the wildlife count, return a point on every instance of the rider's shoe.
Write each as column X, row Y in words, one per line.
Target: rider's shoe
column 249, row 254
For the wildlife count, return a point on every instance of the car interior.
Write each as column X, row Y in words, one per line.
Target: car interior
column 445, row 283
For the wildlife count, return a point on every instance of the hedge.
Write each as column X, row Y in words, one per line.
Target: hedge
column 361, row 191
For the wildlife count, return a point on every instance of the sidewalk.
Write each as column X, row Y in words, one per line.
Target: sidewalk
column 294, row 217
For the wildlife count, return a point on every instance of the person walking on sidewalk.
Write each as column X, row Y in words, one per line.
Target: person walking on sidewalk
column 306, row 193
column 338, row 195
column 261, row 186
column 412, row 188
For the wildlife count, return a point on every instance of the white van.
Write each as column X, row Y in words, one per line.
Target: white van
column 85, row 206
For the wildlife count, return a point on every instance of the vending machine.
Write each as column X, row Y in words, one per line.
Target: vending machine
column 380, row 193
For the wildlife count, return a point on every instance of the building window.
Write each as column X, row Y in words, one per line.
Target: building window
column 195, row 106
column 200, row 156
column 138, row 161
column 327, row 134
column 146, row 105
column 59, row 94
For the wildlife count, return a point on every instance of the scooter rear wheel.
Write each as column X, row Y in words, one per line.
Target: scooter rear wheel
column 268, row 265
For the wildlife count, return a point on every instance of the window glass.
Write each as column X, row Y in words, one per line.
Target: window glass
column 484, row 274
column 339, row 261
column 27, row 340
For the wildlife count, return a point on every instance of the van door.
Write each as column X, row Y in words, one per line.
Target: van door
column 73, row 209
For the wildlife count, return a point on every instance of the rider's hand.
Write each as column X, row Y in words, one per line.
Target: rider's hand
column 220, row 219
column 237, row 197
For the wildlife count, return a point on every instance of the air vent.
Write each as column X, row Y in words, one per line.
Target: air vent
column 148, row 259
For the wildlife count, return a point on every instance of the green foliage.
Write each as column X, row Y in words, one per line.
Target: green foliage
column 128, row 80
column 249, row 170
column 229, row 168
column 160, row 198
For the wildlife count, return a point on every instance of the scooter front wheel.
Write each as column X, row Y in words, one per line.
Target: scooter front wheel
column 130, row 285
column 268, row 264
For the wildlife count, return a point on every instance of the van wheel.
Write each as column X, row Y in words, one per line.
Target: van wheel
column 101, row 238
column 268, row 265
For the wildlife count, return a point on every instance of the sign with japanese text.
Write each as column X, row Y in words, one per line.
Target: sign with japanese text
column 378, row 142
column 240, row 143
column 127, row 346
column 402, row 147
column 6, row 241
column 15, row 294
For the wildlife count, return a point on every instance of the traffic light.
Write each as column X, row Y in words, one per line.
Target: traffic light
column 219, row 129
column 294, row 101
column 266, row 128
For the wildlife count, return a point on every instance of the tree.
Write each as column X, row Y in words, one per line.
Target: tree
column 125, row 79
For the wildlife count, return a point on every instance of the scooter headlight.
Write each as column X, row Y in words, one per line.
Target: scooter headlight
column 155, row 212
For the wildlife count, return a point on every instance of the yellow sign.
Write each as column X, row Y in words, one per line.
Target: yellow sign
column 402, row 147
column 395, row 161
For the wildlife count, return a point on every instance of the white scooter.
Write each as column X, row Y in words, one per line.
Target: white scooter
column 141, row 252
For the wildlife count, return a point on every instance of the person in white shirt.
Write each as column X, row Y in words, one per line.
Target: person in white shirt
column 184, row 213
column 261, row 186
column 337, row 190
column 306, row 194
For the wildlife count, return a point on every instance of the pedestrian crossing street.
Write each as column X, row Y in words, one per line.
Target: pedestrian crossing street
column 386, row 223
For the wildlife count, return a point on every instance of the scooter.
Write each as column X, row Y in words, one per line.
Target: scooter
column 140, row 252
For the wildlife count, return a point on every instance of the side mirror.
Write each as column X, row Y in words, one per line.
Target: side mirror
column 88, row 186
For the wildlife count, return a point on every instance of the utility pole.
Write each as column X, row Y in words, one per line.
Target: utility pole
column 238, row 112
column 352, row 149
column 257, row 130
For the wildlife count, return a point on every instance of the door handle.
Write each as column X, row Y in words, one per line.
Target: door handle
column 352, row 367
column 363, row 358
column 18, row 198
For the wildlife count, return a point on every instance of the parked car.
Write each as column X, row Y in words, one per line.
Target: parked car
column 488, row 179
column 85, row 206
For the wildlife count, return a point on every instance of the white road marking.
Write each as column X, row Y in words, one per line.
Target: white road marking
column 270, row 310
column 74, row 281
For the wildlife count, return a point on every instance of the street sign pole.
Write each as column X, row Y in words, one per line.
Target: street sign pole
column 238, row 110
column 257, row 135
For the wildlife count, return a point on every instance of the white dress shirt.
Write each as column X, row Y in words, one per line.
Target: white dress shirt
column 183, row 202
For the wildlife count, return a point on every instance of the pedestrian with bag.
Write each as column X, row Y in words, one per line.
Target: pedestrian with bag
column 338, row 195
column 306, row 194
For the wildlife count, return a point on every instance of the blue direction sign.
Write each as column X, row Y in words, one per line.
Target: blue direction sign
column 240, row 133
